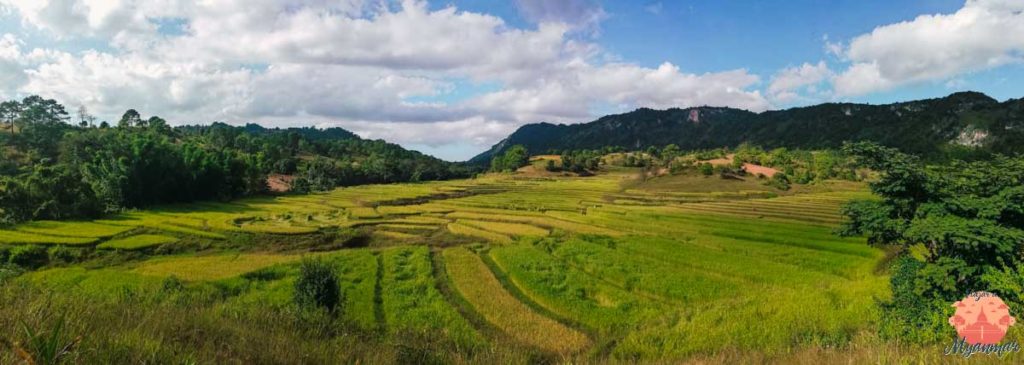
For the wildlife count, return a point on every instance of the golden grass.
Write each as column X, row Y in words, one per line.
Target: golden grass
column 272, row 228
column 398, row 210
column 397, row 235
column 512, row 229
column 72, row 229
column 420, row 219
column 542, row 221
column 362, row 213
column 462, row 229
column 479, row 287
column 197, row 268
column 15, row 237
column 137, row 242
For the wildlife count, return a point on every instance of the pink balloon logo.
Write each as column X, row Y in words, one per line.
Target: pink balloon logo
column 981, row 318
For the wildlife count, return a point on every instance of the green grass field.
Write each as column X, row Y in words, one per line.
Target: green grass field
column 513, row 270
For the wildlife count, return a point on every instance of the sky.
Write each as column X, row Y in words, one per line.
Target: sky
column 451, row 78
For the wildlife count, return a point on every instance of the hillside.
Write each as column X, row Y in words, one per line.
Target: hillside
column 957, row 123
column 52, row 169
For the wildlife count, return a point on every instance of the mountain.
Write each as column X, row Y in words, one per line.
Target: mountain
column 932, row 127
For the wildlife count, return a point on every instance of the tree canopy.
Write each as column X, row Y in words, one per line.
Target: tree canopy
column 964, row 221
column 55, row 170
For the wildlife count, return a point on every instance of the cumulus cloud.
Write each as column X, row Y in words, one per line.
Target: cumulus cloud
column 579, row 14
column 983, row 34
column 383, row 71
column 785, row 83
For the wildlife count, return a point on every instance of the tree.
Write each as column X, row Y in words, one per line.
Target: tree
column 706, row 169
column 84, row 118
column 320, row 174
column 967, row 217
column 514, row 158
column 158, row 124
column 669, row 154
column 130, row 118
column 35, row 111
column 10, row 111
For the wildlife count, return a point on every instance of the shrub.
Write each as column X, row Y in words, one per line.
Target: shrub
column 5, row 252
column 779, row 181
column 910, row 315
column 29, row 256
column 171, row 284
column 317, row 286
column 706, row 169
column 8, row 271
column 63, row 254
column 550, row 166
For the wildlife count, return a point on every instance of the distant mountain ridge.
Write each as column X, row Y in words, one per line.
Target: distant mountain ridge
column 964, row 121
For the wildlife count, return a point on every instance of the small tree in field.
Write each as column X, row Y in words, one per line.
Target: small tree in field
column 317, row 286
column 514, row 158
column 706, row 169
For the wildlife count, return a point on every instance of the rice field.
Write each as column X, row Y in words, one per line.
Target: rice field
column 213, row 267
column 478, row 285
column 137, row 242
column 602, row 268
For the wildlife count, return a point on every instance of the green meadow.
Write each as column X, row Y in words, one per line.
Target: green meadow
column 497, row 269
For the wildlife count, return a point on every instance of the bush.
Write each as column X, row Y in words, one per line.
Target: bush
column 172, row 284
column 779, row 181
column 317, row 286
column 5, row 252
column 706, row 169
column 910, row 316
column 8, row 271
column 63, row 254
column 550, row 166
column 29, row 256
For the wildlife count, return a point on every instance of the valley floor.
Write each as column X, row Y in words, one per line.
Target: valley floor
column 498, row 269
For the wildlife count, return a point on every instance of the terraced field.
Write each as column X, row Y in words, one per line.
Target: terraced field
column 603, row 267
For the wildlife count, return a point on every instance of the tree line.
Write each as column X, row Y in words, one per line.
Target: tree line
column 59, row 166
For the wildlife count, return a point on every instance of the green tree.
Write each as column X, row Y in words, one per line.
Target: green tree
column 130, row 118
column 706, row 169
column 10, row 111
column 669, row 154
column 514, row 158
column 967, row 217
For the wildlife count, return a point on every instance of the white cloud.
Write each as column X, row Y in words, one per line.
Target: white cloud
column 108, row 85
column 983, row 34
column 382, row 71
column 579, row 14
column 666, row 86
column 786, row 82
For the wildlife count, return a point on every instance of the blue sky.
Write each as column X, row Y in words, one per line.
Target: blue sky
column 451, row 78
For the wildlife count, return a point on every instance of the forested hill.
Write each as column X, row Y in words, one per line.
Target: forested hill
column 966, row 122
column 54, row 165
